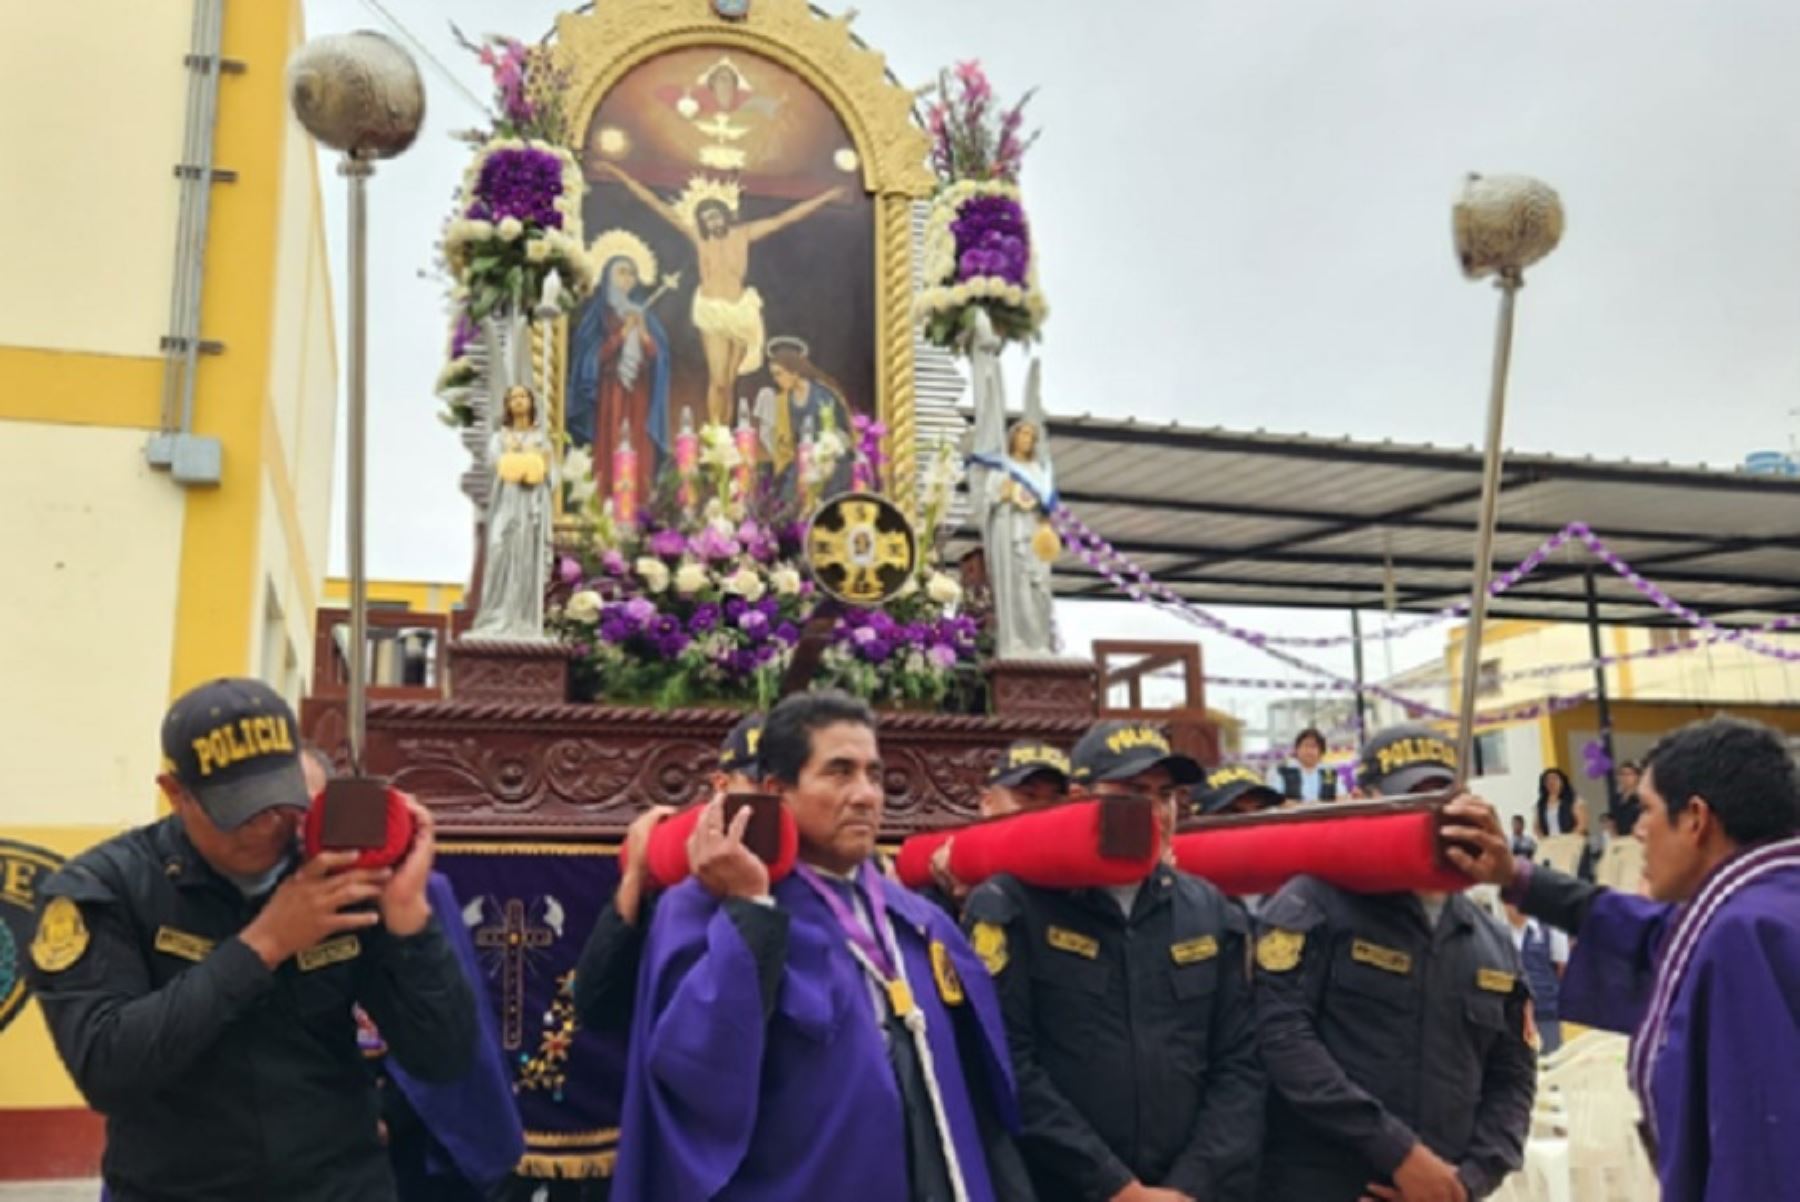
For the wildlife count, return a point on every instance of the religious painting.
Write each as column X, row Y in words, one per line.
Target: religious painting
column 735, row 245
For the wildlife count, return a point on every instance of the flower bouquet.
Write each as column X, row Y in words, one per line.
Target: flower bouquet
column 703, row 598
column 977, row 242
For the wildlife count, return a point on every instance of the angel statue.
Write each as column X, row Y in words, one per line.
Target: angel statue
column 517, row 562
column 1013, row 488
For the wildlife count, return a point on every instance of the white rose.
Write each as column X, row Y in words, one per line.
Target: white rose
column 480, row 231
column 747, row 584
column 786, row 581
column 909, row 588
column 583, row 607
column 690, row 578
column 654, row 573
column 510, row 228
column 537, row 250
column 942, row 589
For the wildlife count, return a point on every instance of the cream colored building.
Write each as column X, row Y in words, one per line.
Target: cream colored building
column 124, row 587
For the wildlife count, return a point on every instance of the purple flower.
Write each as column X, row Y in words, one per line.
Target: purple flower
column 941, row 656
column 753, row 623
column 640, row 610
column 463, row 336
column 704, row 618
column 614, row 629
column 668, row 543
column 788, row 633
column 567, row 570
column 613, row 563
column 714, row 544
column 862, row 636
column 734, row 608
column 523, row 183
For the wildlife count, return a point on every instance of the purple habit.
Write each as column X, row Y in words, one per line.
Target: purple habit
column 1726, row 1110
column 721, row 1105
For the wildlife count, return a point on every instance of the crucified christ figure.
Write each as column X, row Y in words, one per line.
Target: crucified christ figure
column 726, row 312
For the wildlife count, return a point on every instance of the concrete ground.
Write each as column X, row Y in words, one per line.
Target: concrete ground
column 50, row 1191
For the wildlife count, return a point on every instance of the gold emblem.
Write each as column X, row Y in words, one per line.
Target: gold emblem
column 861, row 548
column 900, row 997
column 948, row 983
column 1387, row 959
column 989, row 939
column 1065, row 940
column 62, row 936
column 1495, row 981
column 1192, row 951
column 332, row 951
column 183, row 944
column 1279, row 950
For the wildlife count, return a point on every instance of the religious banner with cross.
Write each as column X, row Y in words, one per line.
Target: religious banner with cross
column 529, row 908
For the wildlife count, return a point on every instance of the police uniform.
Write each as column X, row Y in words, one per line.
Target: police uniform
column 1131, row 1033
column 219, row 1078
column 606, row 975
column 1380, row 1029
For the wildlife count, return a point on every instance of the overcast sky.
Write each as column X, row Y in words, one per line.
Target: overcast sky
column 1242, row 211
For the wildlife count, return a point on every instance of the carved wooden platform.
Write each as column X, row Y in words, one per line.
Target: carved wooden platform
column 556, row 770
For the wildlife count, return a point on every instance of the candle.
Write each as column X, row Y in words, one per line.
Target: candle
column 687, row 457
column 803, row 457
column 745, row 437
column 624, row 477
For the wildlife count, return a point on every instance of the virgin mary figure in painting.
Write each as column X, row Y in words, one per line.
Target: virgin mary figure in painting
column 517, row 562
column 807, row 404
column 619, row 381
column 1013, row 485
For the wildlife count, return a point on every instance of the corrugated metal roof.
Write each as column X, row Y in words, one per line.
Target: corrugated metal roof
column 1228, row 517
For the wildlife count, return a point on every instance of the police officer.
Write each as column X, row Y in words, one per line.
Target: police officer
column 1391, row 1027
column 198, row 980
column 1029, row 775
column 1234, row 789
column 1127, row 1010
column 606, row 975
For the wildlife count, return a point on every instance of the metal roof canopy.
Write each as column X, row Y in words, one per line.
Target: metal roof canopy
column 1226, row 518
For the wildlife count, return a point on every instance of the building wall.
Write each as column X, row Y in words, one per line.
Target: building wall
column 122, row 589
column 415, row 596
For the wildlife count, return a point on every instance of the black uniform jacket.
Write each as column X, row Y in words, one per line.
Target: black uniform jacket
column 1131, row 1039
column 1378, row 1031
column 220, row 1079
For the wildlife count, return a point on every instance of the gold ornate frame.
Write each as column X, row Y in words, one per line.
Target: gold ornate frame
column 598, row 46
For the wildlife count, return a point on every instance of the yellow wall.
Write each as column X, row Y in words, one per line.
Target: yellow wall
column 418, row 596
column 92, row 545
column 91, row 113
column 124, row 589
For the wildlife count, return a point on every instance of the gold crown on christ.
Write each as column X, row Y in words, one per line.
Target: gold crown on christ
column 701, row 189
column 616, row 243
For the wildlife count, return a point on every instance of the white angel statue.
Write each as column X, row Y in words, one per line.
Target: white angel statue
column 1012, row 486
column 517, row 564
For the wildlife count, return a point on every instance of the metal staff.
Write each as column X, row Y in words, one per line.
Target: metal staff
column 1503, row 224
column 359, row 93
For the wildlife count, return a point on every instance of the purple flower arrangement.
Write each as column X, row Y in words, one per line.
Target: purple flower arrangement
column 709, row 611
column 991, row 240
column 523, row 183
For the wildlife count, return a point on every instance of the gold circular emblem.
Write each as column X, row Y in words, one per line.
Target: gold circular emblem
column 1279, row 950
column 61, row 938
column 861, row 549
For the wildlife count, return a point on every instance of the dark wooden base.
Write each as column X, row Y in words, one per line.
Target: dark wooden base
column 508, row 769
column 1062, row 689
column 522, row 673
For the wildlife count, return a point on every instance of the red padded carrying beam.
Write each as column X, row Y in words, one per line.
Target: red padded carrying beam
column 1367, row 848
column 1057, row 848
column 666, row 857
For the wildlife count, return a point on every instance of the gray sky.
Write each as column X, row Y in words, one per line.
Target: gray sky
column 1242, row 211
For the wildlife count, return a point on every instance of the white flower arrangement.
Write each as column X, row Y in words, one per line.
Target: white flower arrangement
column 945, row 297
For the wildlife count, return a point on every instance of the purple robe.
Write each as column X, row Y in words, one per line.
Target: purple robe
column 721, row 1105
column 1725, row 1095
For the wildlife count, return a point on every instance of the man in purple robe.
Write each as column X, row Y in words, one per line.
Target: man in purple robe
column 826, row 1036
column 1705, row 973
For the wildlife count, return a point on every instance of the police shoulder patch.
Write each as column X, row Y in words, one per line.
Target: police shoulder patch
column 949, row 984
column 1279, row 950
column 989, row 941
column 62, row 936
